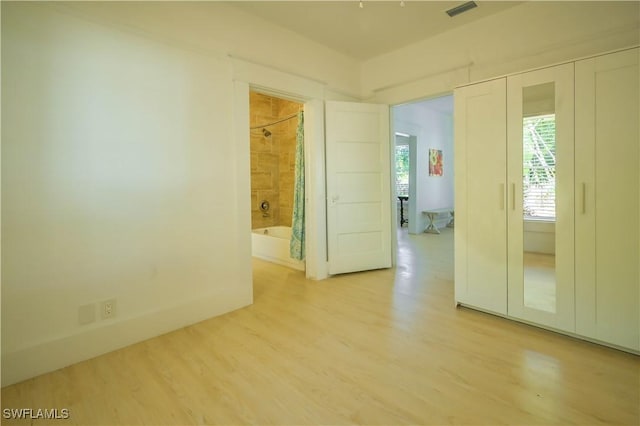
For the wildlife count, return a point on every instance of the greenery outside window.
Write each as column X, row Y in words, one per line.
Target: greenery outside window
column 539, row 167
column 402, row 170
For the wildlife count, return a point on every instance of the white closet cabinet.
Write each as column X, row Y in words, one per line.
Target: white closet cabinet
column 608, row 197
column 481, row 222
column 589, row 240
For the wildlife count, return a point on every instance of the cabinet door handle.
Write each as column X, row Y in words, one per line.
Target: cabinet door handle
column 513, row 196
column 502, row 196
column 584, row 197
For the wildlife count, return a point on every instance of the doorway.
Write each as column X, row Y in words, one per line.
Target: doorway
column 429, row 124
column 277, row 179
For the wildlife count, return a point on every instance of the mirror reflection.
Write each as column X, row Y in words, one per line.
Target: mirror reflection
column 539, row 196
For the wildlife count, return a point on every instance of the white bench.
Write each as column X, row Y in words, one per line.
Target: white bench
column 432, row 214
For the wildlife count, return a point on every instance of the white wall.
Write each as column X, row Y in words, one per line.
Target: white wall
column 539, row 237
column 118, row 181
column 522, row 37
column 222, row 28
column 125, row 169
column 431, row 123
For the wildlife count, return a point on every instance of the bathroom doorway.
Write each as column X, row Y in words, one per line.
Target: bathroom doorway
column 274, row 131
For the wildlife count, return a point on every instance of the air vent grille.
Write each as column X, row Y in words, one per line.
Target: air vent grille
column 461, row 9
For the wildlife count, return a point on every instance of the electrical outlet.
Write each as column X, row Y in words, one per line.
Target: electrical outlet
column 108, row 309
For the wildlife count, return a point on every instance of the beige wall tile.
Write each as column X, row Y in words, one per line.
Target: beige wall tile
column 272, row 159
column 262, row 180
column 258, row 143
column 268, row 162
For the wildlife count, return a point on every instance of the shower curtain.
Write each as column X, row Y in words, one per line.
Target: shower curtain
column 296, row 245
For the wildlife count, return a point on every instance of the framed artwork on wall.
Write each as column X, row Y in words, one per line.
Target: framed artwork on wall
column 435, row 162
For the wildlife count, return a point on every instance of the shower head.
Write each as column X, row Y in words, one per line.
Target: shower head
column 266, row 133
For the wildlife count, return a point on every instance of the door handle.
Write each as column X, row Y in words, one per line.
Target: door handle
column 584, row 197
column 513, row 196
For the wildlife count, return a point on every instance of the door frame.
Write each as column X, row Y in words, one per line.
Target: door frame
column 417, row 221
column 249, row 76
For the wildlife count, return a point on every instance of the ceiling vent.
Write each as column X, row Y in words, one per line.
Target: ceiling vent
column 462, row 8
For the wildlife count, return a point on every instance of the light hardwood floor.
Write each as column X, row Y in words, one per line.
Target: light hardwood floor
column 380, row 347
column 540, row 281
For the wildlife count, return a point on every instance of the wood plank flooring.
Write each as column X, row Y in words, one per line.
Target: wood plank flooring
column 540, row 281
column 380, row 347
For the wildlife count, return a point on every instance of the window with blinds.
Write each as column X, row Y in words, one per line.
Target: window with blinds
column 402, row 170
column 539, row 167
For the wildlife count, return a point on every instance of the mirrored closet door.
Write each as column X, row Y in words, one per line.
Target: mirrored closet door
column 540, row 218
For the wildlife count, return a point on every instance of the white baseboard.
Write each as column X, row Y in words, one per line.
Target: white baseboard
column 60, row 352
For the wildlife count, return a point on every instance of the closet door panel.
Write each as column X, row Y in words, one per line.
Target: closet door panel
column 480, row 164
column 608, row 205
column 540, row 123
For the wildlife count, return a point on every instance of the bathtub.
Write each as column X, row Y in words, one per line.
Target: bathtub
column 272, row 244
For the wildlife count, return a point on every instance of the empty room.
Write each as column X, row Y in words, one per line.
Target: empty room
column 317, row 212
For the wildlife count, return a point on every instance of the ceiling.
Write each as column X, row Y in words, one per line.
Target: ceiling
column 377, row 28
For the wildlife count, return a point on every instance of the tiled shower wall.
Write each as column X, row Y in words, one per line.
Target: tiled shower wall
column 272, row 159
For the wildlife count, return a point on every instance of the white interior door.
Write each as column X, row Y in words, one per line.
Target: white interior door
column 358, row 187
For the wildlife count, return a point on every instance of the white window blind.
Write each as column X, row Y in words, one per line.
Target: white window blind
column 539, row 167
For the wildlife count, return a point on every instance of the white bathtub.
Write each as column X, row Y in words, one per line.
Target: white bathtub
column 272, row 244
